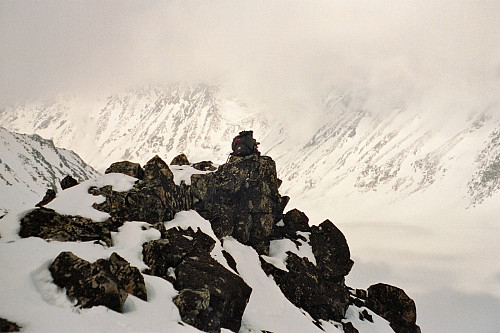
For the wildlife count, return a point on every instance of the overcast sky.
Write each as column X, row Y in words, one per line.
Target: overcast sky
column 391, row 50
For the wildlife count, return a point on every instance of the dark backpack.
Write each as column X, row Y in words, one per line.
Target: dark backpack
column 244, row 144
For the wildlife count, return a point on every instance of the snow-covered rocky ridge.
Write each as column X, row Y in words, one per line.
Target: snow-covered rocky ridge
column 206, row 265
column 29, row 165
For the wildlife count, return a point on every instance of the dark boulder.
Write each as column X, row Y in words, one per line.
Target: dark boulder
column 127, row 168
column 293, row 221
column 164, row 255
column 303, row 286
column 204, row 166
column 8, row 326
column 48, row 224
column 331, row 251
column 48, row 197
column 349, row 328
column 210, row 296
column 153, row 199
column 105, row 282
column 394, row 305
column 241, row 199
column 180, row 159
column 68, row 182
column 89, row 284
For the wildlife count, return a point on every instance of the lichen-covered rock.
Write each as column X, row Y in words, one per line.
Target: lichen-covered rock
column 183, row 257
column 180, row 159
column 241, row 199
column 154, row 198
column 192, row 304
column 204, row 166
column 8, row 326
column 68, row 182
column 395, row 306
column 48, row 197
column 164, row 255
column 48, row 224
column 105, row 282
column 128, row 277
column 127, row 168
column 89, row 284
column 331, row 251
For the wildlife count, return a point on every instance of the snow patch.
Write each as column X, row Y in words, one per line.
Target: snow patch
column 77, row 200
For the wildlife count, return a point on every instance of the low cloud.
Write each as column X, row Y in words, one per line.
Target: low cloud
column 284, row 54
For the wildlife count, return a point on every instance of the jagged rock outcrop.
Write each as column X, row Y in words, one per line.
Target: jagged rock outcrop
column 210, row 296
column 48, row 224
column 48, row 197
column 154, row 198
column 68, row 182
column 393, row 304
column 104, row 282
column 180, row 159
column 317, row 288
column 127, row 168
column 8, row 326
column 241, row 199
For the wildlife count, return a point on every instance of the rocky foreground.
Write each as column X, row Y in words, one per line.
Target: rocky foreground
column 242, row 202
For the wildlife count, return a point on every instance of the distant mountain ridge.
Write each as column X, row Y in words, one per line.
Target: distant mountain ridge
column 29, row 165
column 355, row 152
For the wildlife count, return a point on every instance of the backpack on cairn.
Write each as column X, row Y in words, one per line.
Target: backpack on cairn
column 244, row 144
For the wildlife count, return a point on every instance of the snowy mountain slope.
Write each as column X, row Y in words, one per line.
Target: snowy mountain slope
column 139, row 124
column 354, row 151
column 37, row 304
column 397, row 154
column 29, row 165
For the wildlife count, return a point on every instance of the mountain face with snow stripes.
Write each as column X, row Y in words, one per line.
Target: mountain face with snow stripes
column 354, row 151
column 29, row 165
